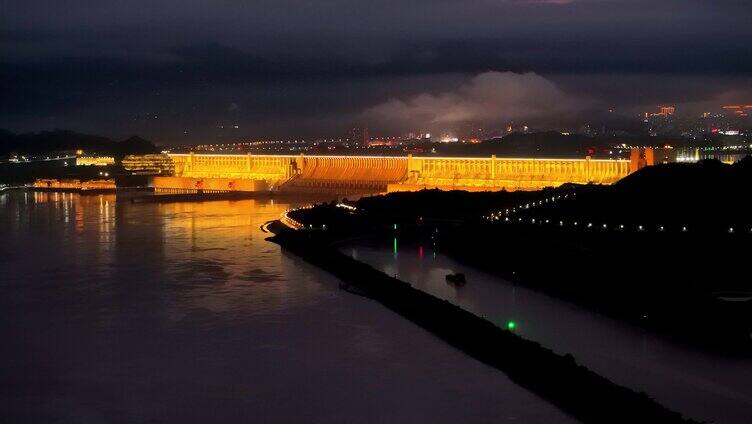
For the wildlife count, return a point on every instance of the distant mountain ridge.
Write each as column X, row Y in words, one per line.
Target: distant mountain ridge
column 551, row 144
column 59, row 140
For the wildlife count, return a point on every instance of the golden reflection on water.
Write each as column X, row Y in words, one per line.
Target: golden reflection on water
column 209, row 256
column 221, row 249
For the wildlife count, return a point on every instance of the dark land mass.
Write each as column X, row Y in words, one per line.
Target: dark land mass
column 557, row 378
column 546, row 144
column 678, row 266
column 36, row 146
column 64, row 140
column 25, row 173
column 553, row 144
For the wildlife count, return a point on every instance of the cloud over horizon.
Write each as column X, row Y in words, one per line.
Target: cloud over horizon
column 171, row 70
column 487, row 97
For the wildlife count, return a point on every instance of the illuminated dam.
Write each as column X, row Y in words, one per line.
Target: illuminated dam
column 376, row 174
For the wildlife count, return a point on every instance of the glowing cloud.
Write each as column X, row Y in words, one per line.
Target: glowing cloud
column 487, row 97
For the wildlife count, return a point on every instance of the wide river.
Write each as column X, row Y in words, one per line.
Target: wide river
column 700, row 385
column 181, row 312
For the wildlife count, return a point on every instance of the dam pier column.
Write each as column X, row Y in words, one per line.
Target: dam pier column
column 588, row 173
column 299, row 164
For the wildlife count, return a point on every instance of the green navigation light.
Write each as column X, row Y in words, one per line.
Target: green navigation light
column 511, row 325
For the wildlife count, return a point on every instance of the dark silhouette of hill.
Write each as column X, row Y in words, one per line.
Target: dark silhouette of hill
column 706, row 174
column 62, row 140
column 133, row 146
column 50, row 141
column 549, row 144
column 707, row 194
column 542, row 144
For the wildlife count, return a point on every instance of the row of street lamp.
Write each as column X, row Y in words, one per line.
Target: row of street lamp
column 290, row 222
column 506, row 214
column 509, row 211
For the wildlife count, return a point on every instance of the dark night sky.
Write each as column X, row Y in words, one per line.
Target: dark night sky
column 162, row 69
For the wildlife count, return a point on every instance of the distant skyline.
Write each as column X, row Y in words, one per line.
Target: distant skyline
column 174, row 71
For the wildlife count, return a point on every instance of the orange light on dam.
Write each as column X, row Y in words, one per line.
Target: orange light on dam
column 374, row 174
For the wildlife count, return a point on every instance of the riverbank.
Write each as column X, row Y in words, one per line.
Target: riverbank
column 557, row 378
column 73, row 190
column 147, row 195
column 198, row 197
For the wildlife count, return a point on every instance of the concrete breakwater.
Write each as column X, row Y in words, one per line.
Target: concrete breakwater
column 557, row 378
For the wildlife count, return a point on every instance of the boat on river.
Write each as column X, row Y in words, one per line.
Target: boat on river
column 458, row 279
